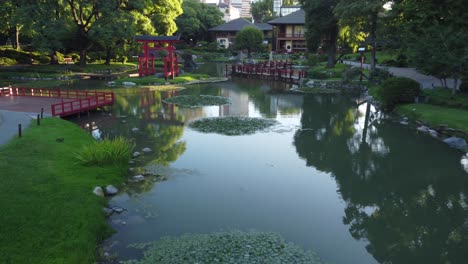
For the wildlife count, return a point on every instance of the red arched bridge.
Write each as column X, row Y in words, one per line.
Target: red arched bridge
column 62, row 102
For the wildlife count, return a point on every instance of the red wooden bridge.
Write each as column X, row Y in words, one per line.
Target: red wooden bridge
column 71, row 101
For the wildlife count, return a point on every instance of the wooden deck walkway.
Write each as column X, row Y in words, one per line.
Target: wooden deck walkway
column 62, row 102
column 273, row 70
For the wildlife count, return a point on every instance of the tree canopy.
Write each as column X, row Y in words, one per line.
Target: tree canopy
column 249, row 38
column 197, row 19
column 72, row 25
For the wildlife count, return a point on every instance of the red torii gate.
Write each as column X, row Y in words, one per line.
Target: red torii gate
column 146, row 59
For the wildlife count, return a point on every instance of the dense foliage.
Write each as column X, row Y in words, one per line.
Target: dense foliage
column 398, row 90
column 249, row 38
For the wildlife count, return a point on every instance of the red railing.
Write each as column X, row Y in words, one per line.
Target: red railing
column 83, row 99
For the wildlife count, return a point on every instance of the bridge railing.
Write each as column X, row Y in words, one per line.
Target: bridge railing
column 82, row 100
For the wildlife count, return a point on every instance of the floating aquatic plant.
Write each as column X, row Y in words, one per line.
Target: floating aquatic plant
column 231, row 126
column 224, row 247
column 197, row 100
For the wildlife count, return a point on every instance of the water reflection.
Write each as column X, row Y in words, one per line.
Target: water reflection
column 408, row 202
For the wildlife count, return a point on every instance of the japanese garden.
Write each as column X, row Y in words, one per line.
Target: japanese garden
column 234, row 131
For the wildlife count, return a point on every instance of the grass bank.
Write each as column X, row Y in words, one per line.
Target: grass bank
column 153, row 80
column 49, row 213
column 434, row 115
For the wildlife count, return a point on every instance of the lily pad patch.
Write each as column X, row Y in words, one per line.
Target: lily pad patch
column 197, row 100
column 232, row 126
column 225, row 247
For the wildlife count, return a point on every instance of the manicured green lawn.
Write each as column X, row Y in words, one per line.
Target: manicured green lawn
column 435, row 115
column 48, row 211
column 443, row 97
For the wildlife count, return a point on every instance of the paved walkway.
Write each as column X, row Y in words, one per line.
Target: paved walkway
column 426, row 81
column 9, row 121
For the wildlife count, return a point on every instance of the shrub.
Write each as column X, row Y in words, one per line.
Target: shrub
column 43, row 59
column 74, row 56
column 18, row 55
column 464, row 86
column 377, row 76
column 114, row 151
column 312, row 60
column 317, row 75
column 350, row 74
column 398, row 90
column 7, row 61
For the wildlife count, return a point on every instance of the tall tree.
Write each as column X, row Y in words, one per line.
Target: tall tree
column 197, row 19
column 435, row 36
column 165, row 13
column 249, row 38
column 321, row 27
column 361, row 16
column 10, row 24
column 80, row 25
column 262, row 11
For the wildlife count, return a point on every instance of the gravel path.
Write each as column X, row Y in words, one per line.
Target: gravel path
column 426, row 81
column 9, row 121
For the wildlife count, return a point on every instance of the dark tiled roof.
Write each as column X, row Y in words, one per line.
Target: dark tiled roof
column 157, row 38
column 263, row 26
column 240, row 23
column 233, row 25
column 296, row 18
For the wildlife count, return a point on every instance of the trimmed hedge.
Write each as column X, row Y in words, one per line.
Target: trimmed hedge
column 398, row 90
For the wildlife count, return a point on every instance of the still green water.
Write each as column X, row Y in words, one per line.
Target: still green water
column 321, row 178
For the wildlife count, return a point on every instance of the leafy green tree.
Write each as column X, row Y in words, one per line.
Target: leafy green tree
column 321, row 27
column 9, row 24
column 197, row 19
column 262, row 11
column 81, row 25
column 362, row 16
column 249, row 38
column 435, row 36
column 164, row 15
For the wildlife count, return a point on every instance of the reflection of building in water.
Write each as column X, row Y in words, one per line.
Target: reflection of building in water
column 286, row 103
column 239, row 104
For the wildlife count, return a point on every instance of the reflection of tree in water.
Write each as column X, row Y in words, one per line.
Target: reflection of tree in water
column 402, row 195
column 160, row 127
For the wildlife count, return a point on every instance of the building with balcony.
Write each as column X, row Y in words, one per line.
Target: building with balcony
column 289, row 32
column 225, row 34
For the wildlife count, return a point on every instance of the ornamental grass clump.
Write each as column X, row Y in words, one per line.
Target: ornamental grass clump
column 109, row 151
column 225, row 247
column 193, row 101
column 232, row 126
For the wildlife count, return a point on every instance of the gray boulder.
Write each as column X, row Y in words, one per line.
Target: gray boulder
column 455, row 142
column 98, row 191
column 138, row 178
column 111, row 190
column 136, row 154
column 146, row 150
column 423, row 129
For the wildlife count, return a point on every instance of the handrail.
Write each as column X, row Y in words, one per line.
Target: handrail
column 82, row 99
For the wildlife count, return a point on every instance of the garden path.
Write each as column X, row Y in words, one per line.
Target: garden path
column 426, row 81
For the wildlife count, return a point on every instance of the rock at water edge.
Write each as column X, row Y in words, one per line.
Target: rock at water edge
column 454, row 142
column 111, row 190
column 98, row 191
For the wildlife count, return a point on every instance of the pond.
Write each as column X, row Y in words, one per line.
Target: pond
column 322, row 177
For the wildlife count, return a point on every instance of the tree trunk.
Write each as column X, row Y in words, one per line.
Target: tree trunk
column 331, row 46
column 17, row 33
column 53, row 58
column 454, row 88
column 373, row 41
column 108, row 56
column 83, row 57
